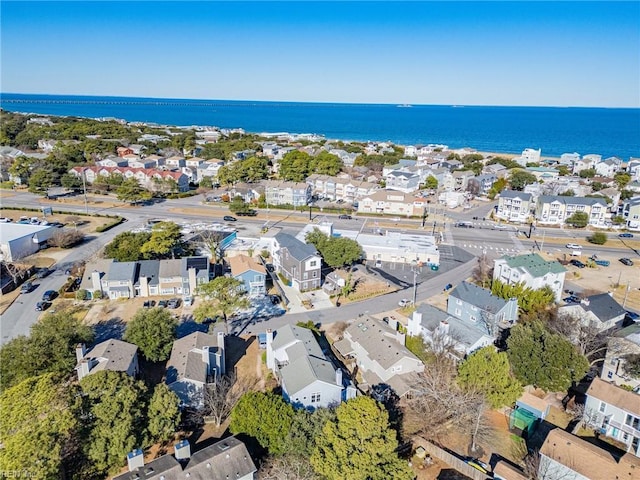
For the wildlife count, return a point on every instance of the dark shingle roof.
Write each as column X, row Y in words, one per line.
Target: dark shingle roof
column 149, row 269
column 478, row 296
column 122, row 271
column 297, row 249
column 604, row 307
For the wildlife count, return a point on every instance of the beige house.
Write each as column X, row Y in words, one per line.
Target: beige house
column 622, row 343
column 392, row 202
column 555, row 209
column 513, row 206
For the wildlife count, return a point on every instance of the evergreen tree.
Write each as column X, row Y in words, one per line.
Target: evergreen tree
column 163, row 413
column 153, row 331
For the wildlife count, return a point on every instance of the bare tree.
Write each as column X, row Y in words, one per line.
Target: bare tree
column 221, row 396
column 211, row 241
column 287, row 467
column 483, row 273
column 590, row 341
column 65, row 238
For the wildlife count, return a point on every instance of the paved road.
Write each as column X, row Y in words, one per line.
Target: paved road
column 19, row 317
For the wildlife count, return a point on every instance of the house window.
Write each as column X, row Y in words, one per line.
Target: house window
column 472, row 318
column 458, row 301
column 315, row 397
column 603, row 407
column 458, row 312
column 632, row 421
column 313, row 263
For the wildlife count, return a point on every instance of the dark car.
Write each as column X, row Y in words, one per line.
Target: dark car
column 275, row 299
column 229, row 218
column 344, row 217
column 215, row 319
column 627, row 261
column 632, row 316
column 149, row 304
column 448, row 286
column 173, row 303
column 163, row 304
column 248, row 213
column 26, row 287
column 49, row 295
column 42, row 306
column 571, row 299
column 577, row 263
column 626, row 235
column 43, row 272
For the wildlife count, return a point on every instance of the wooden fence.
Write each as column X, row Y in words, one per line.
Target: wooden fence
column 450, row 459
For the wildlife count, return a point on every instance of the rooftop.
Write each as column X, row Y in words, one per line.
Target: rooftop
column 478, row 296
column 534, row 264
column 242, row 263
column 614, row 395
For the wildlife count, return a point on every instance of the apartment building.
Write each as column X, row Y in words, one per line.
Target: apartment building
column 514, row 206
column 555, row 209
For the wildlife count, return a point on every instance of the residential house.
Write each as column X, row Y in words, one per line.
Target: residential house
column 131, row 158
column 279, row 192
column 451, row 164
column 531, row 270
column 224, row 460
column 141, row 163
column 472, row 303
column 380, row 354
column 620, row 345
column 531, row 156
column 113, row 355
column 608, row 167
column 113, row 162
column 446, row 333
column 569, row 159
column 481, row 184
column 568, row 457
column 148, row 281
column 599, row 311
column 183, row 276
column 505, row 471
column 347, row 158
column 251, row 273
column 631, row 213
column 159, row 160
column 555, row 209
column 392, row 202
column 513, row 206
column 122, row 276
column 197, row 359
column 95, row 277
column 47, row 145
column 250, row 192
column 307, row 376
column 352, row 190
column 149, row 178
column 137, row 149
column 461, row 179
column 175, row 162
column 334, row 282
column 615, row 413
column 543, row 174
column 587, row 162
column 402, row 181
column 298, row 262
column 122, row 151
column 497, row 169
column 209, row 169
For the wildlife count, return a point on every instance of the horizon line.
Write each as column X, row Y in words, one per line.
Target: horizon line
column 403, row 104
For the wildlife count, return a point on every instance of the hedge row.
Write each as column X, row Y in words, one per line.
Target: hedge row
column 108, row 226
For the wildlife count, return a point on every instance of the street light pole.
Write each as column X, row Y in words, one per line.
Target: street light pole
column 626, row 294
column 84, row 187
column 414, row 269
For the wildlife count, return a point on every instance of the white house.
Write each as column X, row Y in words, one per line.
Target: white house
column 615, row 412
column 513, row 206
column 555, row 209
column 600, row 311
column 307, row 376
column 620, row 345
column 631, row 213
column 532, row 270
column 197, row 359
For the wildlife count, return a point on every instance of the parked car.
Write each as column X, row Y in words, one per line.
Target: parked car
column 43, row 272
column 378, row 263
column 577, row 263
column 477, row 464
column 448, row 286
column 632, row 316
column 26, row 287
column 173, row 303
column 229, row 218
column 163, row 303
column 344, row 217
column 626, row 235
column 49, row 295
column 573, row 246
column 42, row 306
column 571, row 299
column 4, row 220
column 405, row 302
column 248, row 213
column 275, row 299
column 149, row 304
column 188, row 300
column 627, row 261
column 602, row 263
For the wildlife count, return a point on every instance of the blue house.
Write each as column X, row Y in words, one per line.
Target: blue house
column 249, row 272
column 475, row 304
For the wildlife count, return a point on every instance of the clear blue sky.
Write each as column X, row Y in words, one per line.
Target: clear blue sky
column 476, row 53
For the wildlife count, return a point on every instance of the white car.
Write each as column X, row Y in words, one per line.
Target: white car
column 500, row 227
column 187, row 301
column 405, row 302
column 573, row 246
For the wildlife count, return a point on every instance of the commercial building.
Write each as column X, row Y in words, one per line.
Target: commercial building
column 19, row 240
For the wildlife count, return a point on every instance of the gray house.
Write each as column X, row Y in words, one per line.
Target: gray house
column 380, row 354
column 148, row 281
column 197, row 359
column 308, row 377
column 478, row 305
column 297, row 261
column 224, row 460
column 600, row 311
column 121, row 280
column 403, row 181
column 112, row 354
column 481, row 184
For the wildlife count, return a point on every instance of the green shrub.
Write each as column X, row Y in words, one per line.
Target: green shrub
column 108, row 226
column 599, row 238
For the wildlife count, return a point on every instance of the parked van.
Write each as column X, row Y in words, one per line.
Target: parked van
column 576, row 253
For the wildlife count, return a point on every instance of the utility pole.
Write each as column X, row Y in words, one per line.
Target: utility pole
column 415, row 285
column 84, row 187
column 310, row 213
column 626, row 294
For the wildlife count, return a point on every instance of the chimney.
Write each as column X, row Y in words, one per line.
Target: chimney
column 96, row 281
column 220, row 354
column 84, row 369
column 339, row 377
column 270, row 360
column 444, row 327
column 585, row 302
column 80, row 351
column 144, row 286
column 393, row 323
column 401, row 337
column 413, row 327
column 182, row 450
column 193, row 282
column 206, row 359
column 135, row 459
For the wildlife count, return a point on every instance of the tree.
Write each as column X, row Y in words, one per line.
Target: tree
column 264, row 416
column 578, row 220
column 482, row 274
column 489, row 372
column 82, row 294
column 50, row 348
column 38, row 426
column 65, row 238
column 599, row 238
column 287, row 467
column 337, row 252
column 212, row 241
column 127, row 246
column 417, row 346
column 221, row 397
column 165, row 239
column 227, row 295
column 116, row 405
column 254, row 169
column 568, row 193
column 163, row 413
column 431, row 183
column 327, row 163
column 587, row 173
column 597, row 186
column 305, row 428
column 520, row 179
column 622, row 179
column 153, row 331
column 544, row 359
column 529, row 299
column 40, row 181
column 21, row 168
column 131, row 191
column 632, row 364
column 295, row 166
column 238, row 205
column 498, row 186
column 359, row 444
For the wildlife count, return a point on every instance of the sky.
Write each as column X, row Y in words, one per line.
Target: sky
column 451, row 53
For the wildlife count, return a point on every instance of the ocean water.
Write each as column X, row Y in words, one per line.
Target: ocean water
column 605, row 131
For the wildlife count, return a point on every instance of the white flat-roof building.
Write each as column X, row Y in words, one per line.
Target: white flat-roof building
column 19, row 240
